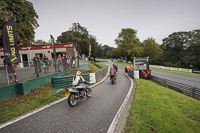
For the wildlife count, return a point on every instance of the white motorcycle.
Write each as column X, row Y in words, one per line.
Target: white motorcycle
column 77, row 93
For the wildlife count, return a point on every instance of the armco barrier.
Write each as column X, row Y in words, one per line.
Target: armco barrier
column 185, row 89
column 8, row 91
column 62, row 82
column 100, row 73
column 26, row 86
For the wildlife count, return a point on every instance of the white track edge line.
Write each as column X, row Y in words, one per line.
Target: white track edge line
column 44, row 107
column 120, row 110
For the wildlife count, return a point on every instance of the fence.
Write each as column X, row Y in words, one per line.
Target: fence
column 62, row 82
column 59, row 83
column 185, row 89
column 28, row 73
column 26, row 86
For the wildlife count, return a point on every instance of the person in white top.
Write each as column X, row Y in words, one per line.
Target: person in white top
column 78, row 79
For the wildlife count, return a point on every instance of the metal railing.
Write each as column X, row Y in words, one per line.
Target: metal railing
column 185, row 89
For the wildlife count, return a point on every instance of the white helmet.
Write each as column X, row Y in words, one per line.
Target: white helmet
column 79, row 73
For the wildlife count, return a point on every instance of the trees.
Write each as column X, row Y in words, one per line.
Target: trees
column 80, row 36
column 152, row 49
column 181, row 49
column 128, row 44
column 23, row 13
column 40, row 42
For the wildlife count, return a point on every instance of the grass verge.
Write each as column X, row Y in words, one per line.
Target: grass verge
column 163, row 70
column 159, row 109
column 93, row 67
column 22, row 104
column 104, row 66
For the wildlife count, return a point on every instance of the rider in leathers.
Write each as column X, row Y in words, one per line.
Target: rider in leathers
column 77, row 80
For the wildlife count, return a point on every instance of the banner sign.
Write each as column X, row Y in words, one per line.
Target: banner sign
column 90, row 47
column 21, row 48
column 145, row 74
column 10, row 41
column 45, row 47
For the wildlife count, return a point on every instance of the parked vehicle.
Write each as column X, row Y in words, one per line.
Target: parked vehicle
column 75, row 94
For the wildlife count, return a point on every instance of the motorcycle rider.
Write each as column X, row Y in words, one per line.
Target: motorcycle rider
column 112, row 72
column 77, row 80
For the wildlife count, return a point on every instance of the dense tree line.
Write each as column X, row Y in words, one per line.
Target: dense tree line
column 179, row 49
column 79, row 35
column 182, row 49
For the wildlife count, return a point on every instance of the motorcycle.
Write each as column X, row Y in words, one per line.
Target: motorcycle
column 77, row 93
column 113, row 78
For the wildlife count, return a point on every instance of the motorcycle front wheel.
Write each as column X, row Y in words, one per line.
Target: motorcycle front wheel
column 89, row 92
column 72, row 100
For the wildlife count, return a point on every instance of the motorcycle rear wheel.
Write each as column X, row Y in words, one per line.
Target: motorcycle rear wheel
column 72, row 100
column 112, row 81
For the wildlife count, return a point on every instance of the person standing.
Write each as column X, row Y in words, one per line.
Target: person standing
column 36, row 61
column 11, row 69
column 45, row 61
column 59, row 62
column 64, row 62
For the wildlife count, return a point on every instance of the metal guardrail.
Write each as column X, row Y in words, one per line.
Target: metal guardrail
column 185, row 89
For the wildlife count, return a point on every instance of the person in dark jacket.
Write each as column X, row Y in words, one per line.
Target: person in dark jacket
column 45, row 61
column 12, row 75
column 64, row 62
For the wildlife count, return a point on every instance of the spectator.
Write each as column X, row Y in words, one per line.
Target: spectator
column 11, row 69
column 59, row 62
column 64, row 62
column 45, row 61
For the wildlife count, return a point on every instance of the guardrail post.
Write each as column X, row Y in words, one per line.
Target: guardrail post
column 192, row 92
column 164, row 82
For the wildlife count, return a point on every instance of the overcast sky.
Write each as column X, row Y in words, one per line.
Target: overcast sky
column 105, row 18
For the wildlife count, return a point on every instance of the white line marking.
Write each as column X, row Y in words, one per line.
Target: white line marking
column 119, row 112
column 44, row 107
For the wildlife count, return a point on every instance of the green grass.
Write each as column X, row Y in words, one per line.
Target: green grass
column 104, row 66
column 19, row 105
column 122, row 63
column 93, row 67
column 101, row 60
column 163, row 70
column 162, row 110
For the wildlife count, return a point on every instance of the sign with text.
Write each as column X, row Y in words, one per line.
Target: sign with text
column 10, row 41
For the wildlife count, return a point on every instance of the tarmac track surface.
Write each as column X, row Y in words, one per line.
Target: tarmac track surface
column 184, row 79
column 93, row 115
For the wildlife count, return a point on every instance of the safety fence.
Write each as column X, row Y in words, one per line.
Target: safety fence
column 65, row 81
column 59, row 83
column 26, row 86
column 100, row 73
column 185, row 89
column 30, row 72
